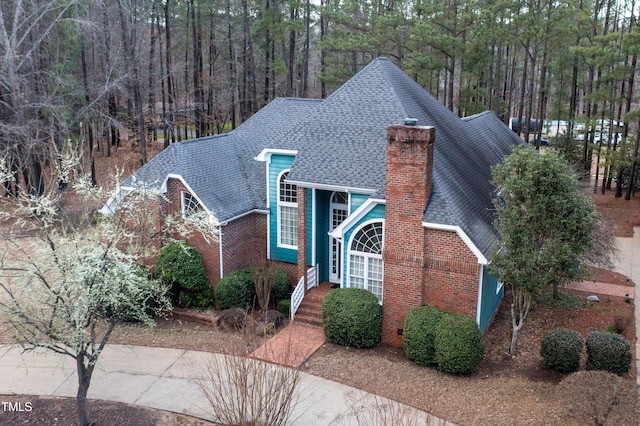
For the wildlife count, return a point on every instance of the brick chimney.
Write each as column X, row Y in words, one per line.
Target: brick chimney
column 408, row 188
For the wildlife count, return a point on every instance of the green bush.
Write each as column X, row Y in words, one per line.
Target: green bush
column 608, row 352
column 352, row 317
column 281, row 285
column 458, row 344
column 284, row 307
column 180, row 267
column 419, row 334
column 561, row 349
column 235, row 290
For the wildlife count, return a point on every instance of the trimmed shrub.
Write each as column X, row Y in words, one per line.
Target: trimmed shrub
column 608, row 352
column 352, row 317
column 561, row 349
column 281, row 285
column 419, row 334
column 284, row 306
column 235, row 290
column 458, row 344
column 180, row 267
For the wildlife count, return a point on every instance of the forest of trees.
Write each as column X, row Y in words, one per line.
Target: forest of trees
column 78, row 75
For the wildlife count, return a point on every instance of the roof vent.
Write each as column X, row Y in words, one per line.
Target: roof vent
column 410, row 121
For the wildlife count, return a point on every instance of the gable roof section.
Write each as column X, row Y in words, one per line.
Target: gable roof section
column 220, row 169
column 344, row 144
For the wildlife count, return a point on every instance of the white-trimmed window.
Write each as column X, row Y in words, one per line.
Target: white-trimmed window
column 190, row 204
column 287, row 212
column 365, row 258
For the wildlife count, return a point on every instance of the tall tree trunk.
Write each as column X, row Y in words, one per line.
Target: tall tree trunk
column 634, row 167
column 170, row 92
column 267, row 53
column 129, row 40
column 291, row 54
column 152, row 61
column 305, row 51
column 84, row 380
column 520, row 307
column 87, row 99
column 323, row 53
column 198, row 95
column 233, row 82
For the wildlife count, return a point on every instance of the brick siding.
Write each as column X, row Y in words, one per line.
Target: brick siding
column 244, row 240
column 451, row 275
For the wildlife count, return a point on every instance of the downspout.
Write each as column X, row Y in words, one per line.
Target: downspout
column 220, row 249
column 480, row 295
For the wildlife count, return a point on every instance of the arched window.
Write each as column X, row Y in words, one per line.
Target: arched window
column 287, row 212
column 190, row 205
column 365, row 258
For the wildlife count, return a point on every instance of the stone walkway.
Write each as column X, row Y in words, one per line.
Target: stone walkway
column 603, row 288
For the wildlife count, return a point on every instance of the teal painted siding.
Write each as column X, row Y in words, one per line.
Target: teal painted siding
column 377, row 212
column 277, row 165
column 356, row 201
column 322, row 236
column 490, row 298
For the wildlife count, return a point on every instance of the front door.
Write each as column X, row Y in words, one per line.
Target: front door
column 338, row 211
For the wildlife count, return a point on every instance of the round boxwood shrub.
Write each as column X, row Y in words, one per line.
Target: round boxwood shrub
column 180, row 267
column 235, row 290
column 352, row 317
column 561, row 349
column 458, row 344
column 608, row 352
column 419, row 334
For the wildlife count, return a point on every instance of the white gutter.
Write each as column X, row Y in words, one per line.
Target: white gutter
column 463, row 236
column 327, row 187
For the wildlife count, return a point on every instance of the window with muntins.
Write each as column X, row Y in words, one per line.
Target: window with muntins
column 365, row 259
column 190, row 205
column 287, row 213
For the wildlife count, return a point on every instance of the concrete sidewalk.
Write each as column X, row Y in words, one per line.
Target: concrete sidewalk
column 164, row 379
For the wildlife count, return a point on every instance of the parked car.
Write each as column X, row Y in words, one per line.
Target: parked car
column 543, row 142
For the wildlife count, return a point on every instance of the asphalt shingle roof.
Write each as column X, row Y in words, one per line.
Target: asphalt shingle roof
column 221, row 169
column 344, row 144
column 341, row 141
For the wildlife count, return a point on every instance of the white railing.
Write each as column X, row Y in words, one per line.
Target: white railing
column 298, row 292
column 297, row 296
column 312, row 277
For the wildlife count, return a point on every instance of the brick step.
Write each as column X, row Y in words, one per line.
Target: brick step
column 308, row 319
column 313, row 304
column 305, row 310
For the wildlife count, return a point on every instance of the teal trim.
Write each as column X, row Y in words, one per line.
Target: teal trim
column 356, row 201
column 278, row 163
column 490, row 298
column 378, row 212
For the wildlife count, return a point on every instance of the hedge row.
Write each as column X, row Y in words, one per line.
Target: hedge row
column 450, row 342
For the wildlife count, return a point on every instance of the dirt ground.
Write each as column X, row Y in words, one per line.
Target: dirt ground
column 504, row 391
